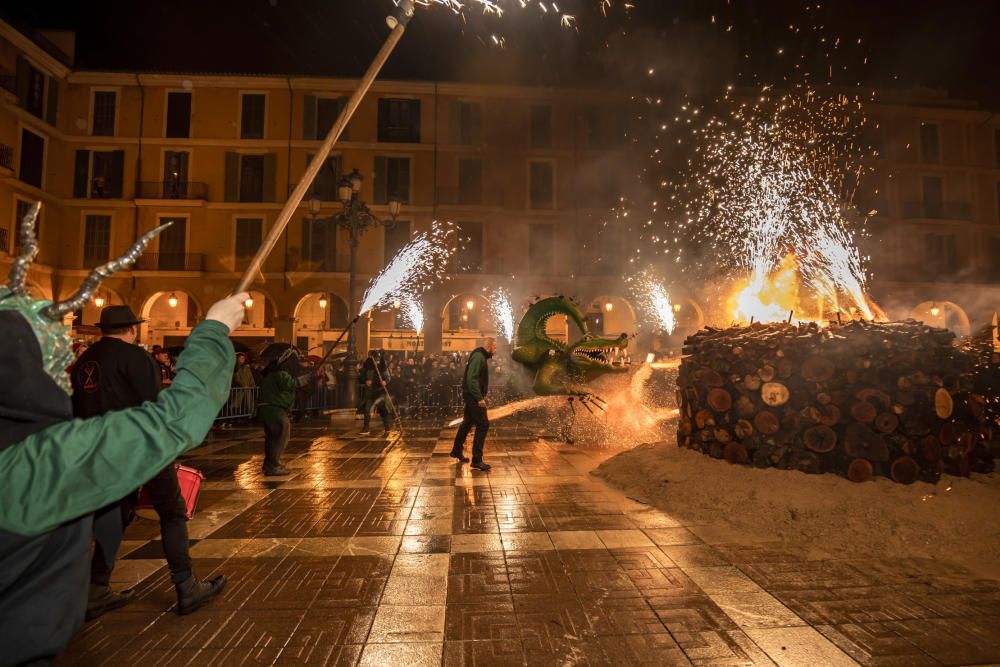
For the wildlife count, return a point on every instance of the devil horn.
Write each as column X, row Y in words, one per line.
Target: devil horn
column 29, row 250
column 56, row 310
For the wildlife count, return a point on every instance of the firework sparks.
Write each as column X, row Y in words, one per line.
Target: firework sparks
column 420, row 264
column 503, row 313
column 413, row 312
column 653, row 297
column 517, row 406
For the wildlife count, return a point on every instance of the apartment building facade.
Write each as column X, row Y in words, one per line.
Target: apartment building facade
column 526, row 174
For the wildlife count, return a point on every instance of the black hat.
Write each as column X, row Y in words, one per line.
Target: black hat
column 117, row 317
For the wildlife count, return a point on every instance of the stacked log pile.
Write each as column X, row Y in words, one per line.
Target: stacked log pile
column 859, row 399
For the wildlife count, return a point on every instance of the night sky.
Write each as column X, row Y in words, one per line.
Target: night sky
column 931, row 43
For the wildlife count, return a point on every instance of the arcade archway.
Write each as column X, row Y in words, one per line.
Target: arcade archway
column 945, row 314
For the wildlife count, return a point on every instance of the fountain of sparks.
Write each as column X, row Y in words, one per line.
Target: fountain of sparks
column 503, row 313
column 655, row 300
column 413, row 312
column 421, row 263
column 770, row 190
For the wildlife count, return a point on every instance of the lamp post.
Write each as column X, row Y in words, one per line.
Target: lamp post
column 356, row 218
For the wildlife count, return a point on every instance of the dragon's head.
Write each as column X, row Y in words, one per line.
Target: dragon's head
column 592, row 355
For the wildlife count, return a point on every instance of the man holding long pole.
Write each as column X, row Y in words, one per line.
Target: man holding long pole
column 475, row 385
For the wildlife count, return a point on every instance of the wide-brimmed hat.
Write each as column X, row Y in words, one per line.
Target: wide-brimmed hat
column 117, row 317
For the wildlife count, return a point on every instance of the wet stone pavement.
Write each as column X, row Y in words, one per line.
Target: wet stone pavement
column 384, row 551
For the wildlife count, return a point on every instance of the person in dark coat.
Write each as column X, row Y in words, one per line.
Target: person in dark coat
column 115, row 374
column 475, row 385
column 283, row 377
column 374, row 381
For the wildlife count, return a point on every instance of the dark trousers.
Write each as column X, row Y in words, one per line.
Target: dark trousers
column 165, row 494
column 474, row 416
column 277, row 430
column 378, row 402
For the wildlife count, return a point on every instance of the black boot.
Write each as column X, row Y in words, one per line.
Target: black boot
column 102, row 600
column 195, row 593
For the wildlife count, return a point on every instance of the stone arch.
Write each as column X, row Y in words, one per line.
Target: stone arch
column 458, row 316
column 946, row 314
column 610, row 315
column 689, row 316
column 170, row 315
column 311, row 313
column 90, row 314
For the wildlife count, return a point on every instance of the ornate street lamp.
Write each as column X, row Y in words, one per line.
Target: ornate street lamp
column 355, row 218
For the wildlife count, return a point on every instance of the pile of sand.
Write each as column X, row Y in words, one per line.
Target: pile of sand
column 956, row 520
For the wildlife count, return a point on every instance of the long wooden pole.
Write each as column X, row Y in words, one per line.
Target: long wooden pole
column 320, row 157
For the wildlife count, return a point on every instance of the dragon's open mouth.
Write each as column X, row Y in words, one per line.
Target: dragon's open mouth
column 610, row 356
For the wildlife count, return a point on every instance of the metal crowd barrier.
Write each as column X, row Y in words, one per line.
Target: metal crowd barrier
column 242, row 403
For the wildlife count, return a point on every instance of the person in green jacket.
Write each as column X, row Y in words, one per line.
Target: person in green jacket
column 277, row 395
column 475, row 385
column 55, row 471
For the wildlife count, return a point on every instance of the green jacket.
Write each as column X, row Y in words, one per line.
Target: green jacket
column 76, row 467
column 477, row 375
column 277, row 392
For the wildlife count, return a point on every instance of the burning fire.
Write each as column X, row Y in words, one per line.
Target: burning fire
column 778, row 297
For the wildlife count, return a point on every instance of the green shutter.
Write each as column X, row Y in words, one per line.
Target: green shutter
column 270, row 172
column 52, row 105
column 81, row 171
column 23, row 74
column 381, row 180
column 309, row 118
column 117, row 174
column 232, row 176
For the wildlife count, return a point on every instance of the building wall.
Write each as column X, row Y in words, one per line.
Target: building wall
column 587, row 177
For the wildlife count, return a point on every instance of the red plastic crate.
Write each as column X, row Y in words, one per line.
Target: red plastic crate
column 188, row 479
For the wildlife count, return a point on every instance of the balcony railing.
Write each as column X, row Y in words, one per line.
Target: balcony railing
column 949, row 210
column 6, row 157
column 172, row 190
column 454, row 197
column 169, row 261
column 4, row 239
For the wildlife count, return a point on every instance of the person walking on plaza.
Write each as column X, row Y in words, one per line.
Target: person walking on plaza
column 282, row 379
column 475, row 385
column 116, row 374
column 375, row 379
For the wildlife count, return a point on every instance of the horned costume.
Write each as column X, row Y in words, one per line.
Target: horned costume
column 55, row 471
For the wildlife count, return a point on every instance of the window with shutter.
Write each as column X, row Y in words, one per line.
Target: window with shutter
column 32, row 158
column 467, row 122
column 930, row 142
column 251, row 178
column 103, row 116
column 327, row 112
column 392, row 179
column 541, row 185
column 172, row 245
column 399, row 120
column 933, row 187
column 52, row 103
column 31, row 86
column 252, row 116
column 96, row 239
column 178, row 115
column 249, row 233
column 470, row 181
column 327, row 180
column 175, row 174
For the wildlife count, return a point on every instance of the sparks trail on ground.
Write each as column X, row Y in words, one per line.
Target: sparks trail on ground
column 418, row 266
column 502, row 312
column 502, row 411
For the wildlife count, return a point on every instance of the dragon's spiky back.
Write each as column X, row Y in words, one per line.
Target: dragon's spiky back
column 531, row 328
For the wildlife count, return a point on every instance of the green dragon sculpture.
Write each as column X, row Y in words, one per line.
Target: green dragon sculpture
column 560, row 368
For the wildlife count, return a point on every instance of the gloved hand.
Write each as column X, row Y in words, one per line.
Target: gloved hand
column 229, row 311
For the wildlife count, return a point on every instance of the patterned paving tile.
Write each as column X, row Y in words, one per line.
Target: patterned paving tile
column 382, row 551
